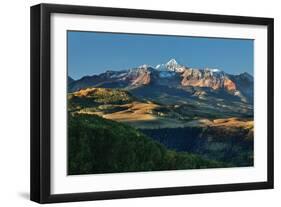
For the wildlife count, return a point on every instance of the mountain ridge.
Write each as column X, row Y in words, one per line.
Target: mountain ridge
column 172, row 74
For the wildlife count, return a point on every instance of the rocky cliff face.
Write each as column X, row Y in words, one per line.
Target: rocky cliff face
column 210, row 78
column 139, row 76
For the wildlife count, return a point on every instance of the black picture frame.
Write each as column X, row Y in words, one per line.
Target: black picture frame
column 41, row 95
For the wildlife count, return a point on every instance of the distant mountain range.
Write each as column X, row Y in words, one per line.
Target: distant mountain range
column 172, row 80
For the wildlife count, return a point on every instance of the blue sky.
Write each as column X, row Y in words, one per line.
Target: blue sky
column 92, row 53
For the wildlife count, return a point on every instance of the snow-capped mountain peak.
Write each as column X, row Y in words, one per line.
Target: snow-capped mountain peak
column 172, row 62
column 172, row 65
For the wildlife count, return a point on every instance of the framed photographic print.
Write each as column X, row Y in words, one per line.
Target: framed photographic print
column 132, row 103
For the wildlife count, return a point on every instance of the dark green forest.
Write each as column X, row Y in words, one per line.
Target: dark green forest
column 233, row 146
column 97, row 145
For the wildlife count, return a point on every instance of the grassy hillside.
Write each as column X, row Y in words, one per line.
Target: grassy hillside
column 93, row 97
column 121, row 105
column 97, row 145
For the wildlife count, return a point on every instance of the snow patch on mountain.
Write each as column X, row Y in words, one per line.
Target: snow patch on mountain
column 158, row 67
column 214, row 70
column 144, row 66
column 116, row 75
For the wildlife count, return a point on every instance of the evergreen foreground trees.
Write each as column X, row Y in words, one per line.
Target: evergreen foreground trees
column 97, row 145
